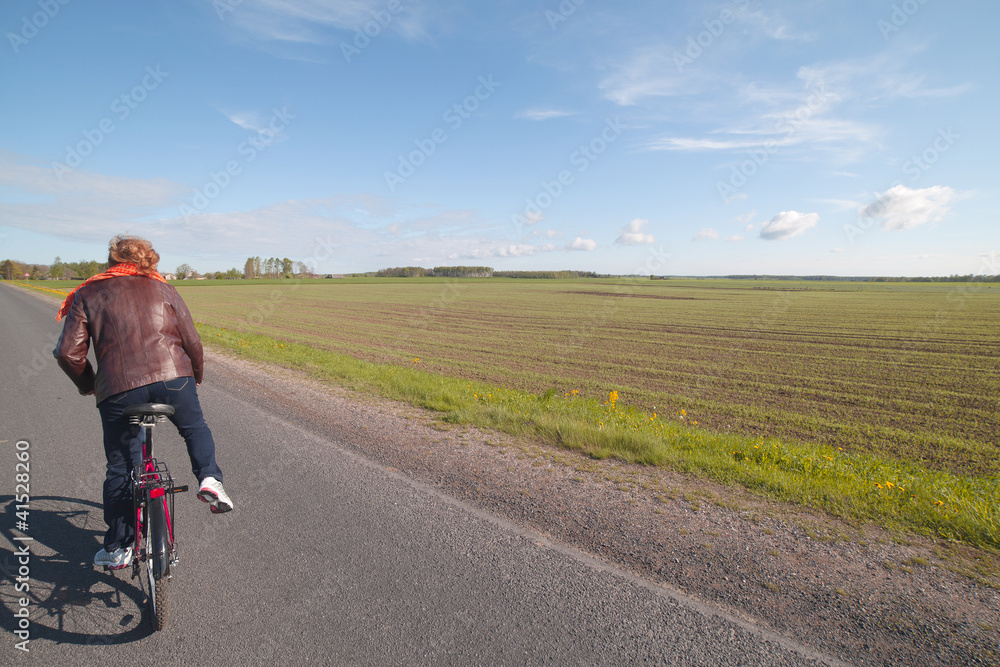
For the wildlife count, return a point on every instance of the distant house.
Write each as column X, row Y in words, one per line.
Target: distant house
column 169, row 276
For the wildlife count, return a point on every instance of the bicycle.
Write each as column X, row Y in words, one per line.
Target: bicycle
column 153, row 490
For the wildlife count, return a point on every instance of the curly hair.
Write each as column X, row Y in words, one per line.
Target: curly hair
column 127, row 249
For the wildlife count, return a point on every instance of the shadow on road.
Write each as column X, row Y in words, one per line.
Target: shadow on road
column 69, row 600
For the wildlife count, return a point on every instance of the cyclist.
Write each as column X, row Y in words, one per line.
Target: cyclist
column 147, row 351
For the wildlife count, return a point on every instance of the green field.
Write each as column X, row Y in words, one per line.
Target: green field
column 876, row 402
column 910, row 371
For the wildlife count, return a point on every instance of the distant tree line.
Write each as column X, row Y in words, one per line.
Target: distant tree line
column 272, row 267
column 561, row 275
column 11, row 269
column 968, row 278
column 473, row 272
column 255, row 267
column 954, row 278
column 439, row 271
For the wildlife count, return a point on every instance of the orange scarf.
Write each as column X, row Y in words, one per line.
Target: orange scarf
column 113, row 272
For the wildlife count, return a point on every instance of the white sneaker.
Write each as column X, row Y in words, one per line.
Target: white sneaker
column 211, row 492
column 115, row 560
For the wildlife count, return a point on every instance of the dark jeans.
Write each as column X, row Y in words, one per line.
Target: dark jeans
column 124, row 451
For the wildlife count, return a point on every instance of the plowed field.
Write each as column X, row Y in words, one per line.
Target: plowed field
column 909, row 370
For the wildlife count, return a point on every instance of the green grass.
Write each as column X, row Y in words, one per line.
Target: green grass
column 855, row 486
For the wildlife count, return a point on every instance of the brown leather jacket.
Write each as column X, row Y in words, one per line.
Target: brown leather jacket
column 142, row 333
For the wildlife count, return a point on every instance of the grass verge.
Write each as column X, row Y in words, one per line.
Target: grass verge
column 856, row 487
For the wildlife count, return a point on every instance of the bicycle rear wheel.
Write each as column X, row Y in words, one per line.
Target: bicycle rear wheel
column 156, row 563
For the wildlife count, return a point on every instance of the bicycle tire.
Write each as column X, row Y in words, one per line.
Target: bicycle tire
column 157, row 563
column 158, row 599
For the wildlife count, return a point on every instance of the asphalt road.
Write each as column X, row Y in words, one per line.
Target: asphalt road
column 328, row 557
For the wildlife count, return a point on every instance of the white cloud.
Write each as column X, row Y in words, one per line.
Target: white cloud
column 689, row 144
column 735, row 196
column 821, row 108
column 490, row 249
column 543, row 114
column 632, row 233
column 581, row 243
column 667, row 65
column 76, row 204
column 706, row 234
column 298, row 21
column 248, row 120
column 531, row 217
column 516, row 250
column 650, row 72
column 776, row 26
column 901, row 208
column 787, row 224
column 736, row 238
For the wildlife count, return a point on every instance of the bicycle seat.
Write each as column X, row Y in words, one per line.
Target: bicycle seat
column 155, row 409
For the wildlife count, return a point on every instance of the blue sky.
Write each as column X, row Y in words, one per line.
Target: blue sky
column 695, row 138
